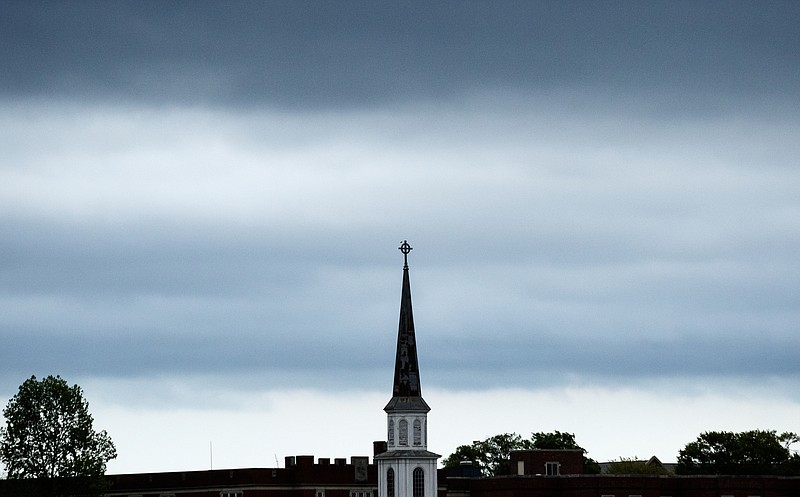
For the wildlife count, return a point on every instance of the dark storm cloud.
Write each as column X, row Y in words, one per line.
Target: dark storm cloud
column 533, row 360
column 159, row 301
column 332, row 54
column 135, row 300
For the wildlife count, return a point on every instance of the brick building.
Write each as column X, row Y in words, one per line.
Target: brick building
column 546, row 462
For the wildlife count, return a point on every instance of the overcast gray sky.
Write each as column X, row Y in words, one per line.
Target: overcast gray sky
column 201, row 204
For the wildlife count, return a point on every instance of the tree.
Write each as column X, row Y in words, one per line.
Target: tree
column 633, row 466
column 49, row 433
column 558, row 440
column 755, row 452
column 492, row 455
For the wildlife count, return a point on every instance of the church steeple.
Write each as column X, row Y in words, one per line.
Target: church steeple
column 406, row 468
column 406, row 393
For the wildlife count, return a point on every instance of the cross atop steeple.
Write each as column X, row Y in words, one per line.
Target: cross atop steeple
column 405, row 248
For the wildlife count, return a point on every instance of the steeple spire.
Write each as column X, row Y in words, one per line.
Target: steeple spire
column 406, row 468
column 406, row 393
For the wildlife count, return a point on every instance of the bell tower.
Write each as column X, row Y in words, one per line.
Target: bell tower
column 407, row 468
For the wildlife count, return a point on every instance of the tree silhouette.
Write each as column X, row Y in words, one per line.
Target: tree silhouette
column 492, row 455
column 49, row 433
column 755, row 452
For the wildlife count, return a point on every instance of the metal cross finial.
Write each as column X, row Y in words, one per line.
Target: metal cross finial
column 405, row 248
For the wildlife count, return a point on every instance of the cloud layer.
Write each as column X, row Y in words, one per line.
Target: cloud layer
column 301, row 55
column 595, row 245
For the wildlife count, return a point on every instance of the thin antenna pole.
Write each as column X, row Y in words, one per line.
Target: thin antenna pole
column 211, row 453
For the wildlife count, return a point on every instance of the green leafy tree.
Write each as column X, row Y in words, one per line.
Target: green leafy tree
column 492, row 455
column 49, row 434
column 633, row 466
column 554, row 440
column 755, row 452
column 471, row 453
column 562, row 440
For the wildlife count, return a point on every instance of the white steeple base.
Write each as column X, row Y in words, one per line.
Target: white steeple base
column 413, row 472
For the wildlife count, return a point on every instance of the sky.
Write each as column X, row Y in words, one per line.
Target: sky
column 201, row 205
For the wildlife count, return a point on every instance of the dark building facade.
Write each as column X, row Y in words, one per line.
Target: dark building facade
column 302, row 476
column 343, row 478
column 624, row 486
column 546, row 462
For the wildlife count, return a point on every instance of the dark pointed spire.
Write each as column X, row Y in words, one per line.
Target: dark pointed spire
column 407, row 393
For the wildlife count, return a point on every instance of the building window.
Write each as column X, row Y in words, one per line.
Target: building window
column 552, row 469
column 229, row 493
column 418, row 480
column 403, row 432
column 417, row 432
column 320, row 492
column 390, row 482
column 391, row 432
